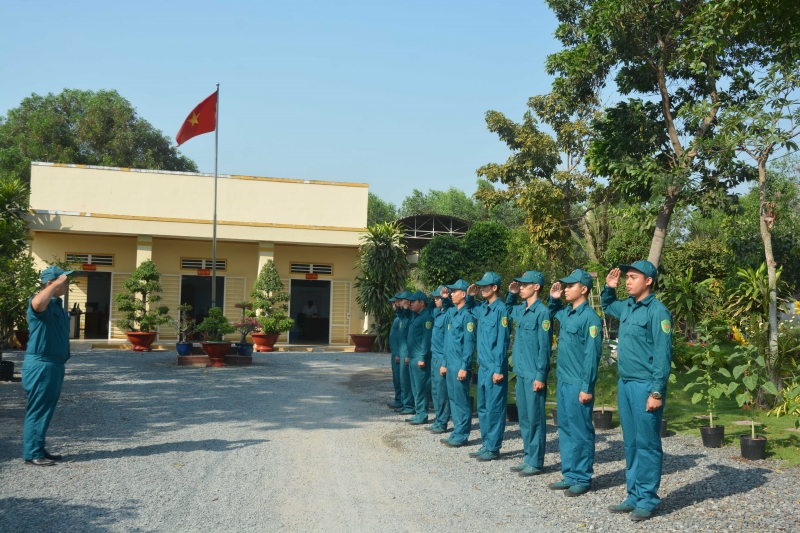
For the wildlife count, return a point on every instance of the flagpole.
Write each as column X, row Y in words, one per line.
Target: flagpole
column 214, row 239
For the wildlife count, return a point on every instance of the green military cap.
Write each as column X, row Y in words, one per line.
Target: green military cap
column 418, row 295
column 578, row 276
column 399, row 296
column 459, row 285
column 52, row 273
column 645, row 267
column 490, row 278
column 531, row 276
column 438, row 292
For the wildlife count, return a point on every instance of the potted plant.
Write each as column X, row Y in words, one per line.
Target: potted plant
column 216, row 326
column 605, row 371
column 21, row 333
column 751, row 375
column 245, row 326
column 141, row 316
column 185, row 329
column 270, row 302
column 710, row 364
column 363, row 341
column 383, row 269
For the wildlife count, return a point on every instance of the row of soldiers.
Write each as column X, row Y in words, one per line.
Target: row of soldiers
column 433, row 341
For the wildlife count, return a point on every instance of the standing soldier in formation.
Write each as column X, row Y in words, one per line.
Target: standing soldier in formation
column 580, row 343
column 459, row 345
column 493, row 340
column 441, row 403
column 406, row 395
column 644, row 358
column 531, row 355
column 394, row 347
column 419, row 355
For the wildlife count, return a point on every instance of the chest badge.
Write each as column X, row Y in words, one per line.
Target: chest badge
column 428, row 324
column 546, row 325
column 504, row 321
column 666, row 326
column 470, row 327
column 593, row 331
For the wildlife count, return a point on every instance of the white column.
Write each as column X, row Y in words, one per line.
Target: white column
column 266, row 252
column 144, row 248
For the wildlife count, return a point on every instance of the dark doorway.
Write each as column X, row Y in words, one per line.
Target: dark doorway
column 196, row 291
column 310, row 327
column 98, row 304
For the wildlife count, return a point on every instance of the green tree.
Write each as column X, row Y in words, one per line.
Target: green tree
column 443, row 261
column 543, row 184
column 382, row 270
column 485, row 246
column 379, row 211
column 271, row 301
column 83, row 127
column 685, row 61
column 452, row 202
column 138, row 304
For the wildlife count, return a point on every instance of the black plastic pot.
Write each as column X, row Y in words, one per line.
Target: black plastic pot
column 474, row 378
column 712, row 437
column 663, row 433
column 602, row 420
column 512, row 414
column 555, row 417
column 6, row 370
column 754, row 449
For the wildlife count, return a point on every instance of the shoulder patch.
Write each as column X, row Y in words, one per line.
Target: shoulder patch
column 666, row 326
column 401, row 324
column 428, row 324
column 504, row 321
column 470, row 327
column 546, row 325
column 448, row 325
column 593, row 331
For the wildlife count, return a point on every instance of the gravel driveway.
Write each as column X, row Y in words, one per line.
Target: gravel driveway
column 305, row 442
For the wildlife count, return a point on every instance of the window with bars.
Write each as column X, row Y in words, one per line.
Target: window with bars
column 311, row 268
column 198, row 264
column 90, row 259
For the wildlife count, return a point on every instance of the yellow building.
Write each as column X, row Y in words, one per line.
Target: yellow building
column 109, row 220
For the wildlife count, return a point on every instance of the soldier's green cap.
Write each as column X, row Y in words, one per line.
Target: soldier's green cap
column 490, row 278
column 459, row 285
column 52, row 273
column 399, row 296
column 578, row 276
column 392, row 299
column 418, row 295
column 645, row 267
column 438, row 292
column 531, row 276
column 405, row 295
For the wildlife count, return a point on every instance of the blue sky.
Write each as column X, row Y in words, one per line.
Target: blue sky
column 390, row 93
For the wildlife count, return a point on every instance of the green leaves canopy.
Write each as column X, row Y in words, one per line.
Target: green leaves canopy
column 137, row 305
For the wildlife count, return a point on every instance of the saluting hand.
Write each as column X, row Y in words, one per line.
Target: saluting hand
column 472, row 290
column 612, row 280
column 445, row 292
column 514, row 287
column 555, row 290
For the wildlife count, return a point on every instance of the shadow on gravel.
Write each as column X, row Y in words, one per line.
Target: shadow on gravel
column 726, row 481
column 211, row 445
column 672, row 465
column 36, row 515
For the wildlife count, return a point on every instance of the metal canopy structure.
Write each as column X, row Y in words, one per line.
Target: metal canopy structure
column 420, row 229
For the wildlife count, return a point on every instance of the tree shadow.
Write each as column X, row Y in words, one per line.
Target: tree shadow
column 35, row 515
column 187, row 446
column 726, row 481
column 672, row 464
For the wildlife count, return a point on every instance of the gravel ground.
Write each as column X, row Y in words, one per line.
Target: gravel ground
column 305, row 442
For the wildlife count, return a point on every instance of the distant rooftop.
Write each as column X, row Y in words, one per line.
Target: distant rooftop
column 420, row 229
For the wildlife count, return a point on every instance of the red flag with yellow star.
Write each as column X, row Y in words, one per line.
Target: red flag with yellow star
column 202, row 119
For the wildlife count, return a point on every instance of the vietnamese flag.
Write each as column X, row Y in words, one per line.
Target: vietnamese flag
column 202, row 119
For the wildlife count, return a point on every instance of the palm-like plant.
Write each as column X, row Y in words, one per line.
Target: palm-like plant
column 383, row 270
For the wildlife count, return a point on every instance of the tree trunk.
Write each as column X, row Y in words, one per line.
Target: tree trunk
column 764, row 218
column 662, row 224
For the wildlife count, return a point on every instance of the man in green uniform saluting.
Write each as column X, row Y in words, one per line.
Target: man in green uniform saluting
column 441, row 402
column 644, row 358
column 419, row 356
column 43, row 368
column 406, row 394
column 580, row 344
column 531, row 355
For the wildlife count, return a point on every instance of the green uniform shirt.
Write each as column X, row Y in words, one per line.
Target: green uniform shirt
column 645, row 338
column 49, row 333
column 402, row 332
column 580, row 344
column 533, row 340
column 394, row 336
column 494, row 335
column 419, row 336
column 459, row 338
column 439, row 328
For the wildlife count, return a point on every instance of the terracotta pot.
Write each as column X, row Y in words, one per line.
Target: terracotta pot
column 22, row 338
column 141, row 340
column 216, row 351
column 363, row 341
column 265, row 341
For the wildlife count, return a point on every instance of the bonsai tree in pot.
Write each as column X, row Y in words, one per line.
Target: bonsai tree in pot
column 185, row 327
column 383, row 269
column 710, row 364
column 215, row 326
column 247, row 325
column 141, row 314
column 270, row 301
